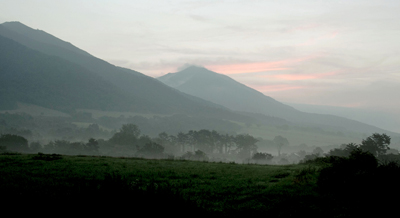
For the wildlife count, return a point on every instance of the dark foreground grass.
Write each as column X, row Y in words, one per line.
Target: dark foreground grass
column 164, row 186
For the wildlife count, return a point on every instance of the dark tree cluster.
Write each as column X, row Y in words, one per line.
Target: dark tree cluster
column 209, row 142
column 376, row 144
column 261, row 157
column 355, row 182
column 72, row 148
column 14, row 143
column 359, row 185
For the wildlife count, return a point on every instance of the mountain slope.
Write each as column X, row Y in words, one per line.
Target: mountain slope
column 32, row 77
column 154, row 95
column 223, row 90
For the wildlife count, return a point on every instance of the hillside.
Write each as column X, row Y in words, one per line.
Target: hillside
column 155, row 97
column 221, row 89
column 138, row 92
column 31, row 77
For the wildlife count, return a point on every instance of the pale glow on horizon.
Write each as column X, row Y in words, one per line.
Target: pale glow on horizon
column 300, row 76
column 259, row 66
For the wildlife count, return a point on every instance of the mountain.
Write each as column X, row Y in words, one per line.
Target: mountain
column 154, row 96
column 131, row 90
column 32, row 77
column 221, row 89
column 40, row 69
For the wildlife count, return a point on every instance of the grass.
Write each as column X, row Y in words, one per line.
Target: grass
column 224, row 189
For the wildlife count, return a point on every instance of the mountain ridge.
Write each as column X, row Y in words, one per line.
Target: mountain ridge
column 240, row 97
column 153, row 96
column 160, row 98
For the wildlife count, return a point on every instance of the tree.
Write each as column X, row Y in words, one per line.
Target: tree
column 92, row 146
column 344, row 150
column 246, row 145
column 350, row 147
column 151, row 149
column 127, row 135
column 260, row 156
column 130, row 129
column 14, row 142
column 182, row 139
column 280, row 142
column 377, row 144
column 318, row 151
column 200, row 155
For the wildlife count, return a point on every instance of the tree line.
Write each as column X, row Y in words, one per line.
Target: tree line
column 129, row 141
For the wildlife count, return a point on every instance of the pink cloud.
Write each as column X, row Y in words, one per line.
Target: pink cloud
column 258, row 66
column 275, row 88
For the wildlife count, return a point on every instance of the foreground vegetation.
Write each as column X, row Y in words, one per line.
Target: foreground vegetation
column 349, row 182
column 216, row 188
column 325, row 187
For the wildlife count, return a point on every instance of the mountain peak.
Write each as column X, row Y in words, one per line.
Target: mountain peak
column 33, row 37
column 16, row 25
column 193, row 69
column 198, row 72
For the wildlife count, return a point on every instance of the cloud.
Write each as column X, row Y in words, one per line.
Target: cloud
column 301, row 76
column 276, row 88
column 315, row 40
column 258, row 66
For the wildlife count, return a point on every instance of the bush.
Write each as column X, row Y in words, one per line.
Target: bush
column 262, row 156
column 197, row 155
column 47, row 157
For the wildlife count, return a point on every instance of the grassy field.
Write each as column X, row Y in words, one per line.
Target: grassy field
column 173, row 185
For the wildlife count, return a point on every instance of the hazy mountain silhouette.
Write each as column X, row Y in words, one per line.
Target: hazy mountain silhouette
column 154, row 95
column 144, row 94
column 221, row 89
column 55, row 74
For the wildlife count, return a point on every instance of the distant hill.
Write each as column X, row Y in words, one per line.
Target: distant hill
column 137, row 92
column 221, row 89
column 154, row 96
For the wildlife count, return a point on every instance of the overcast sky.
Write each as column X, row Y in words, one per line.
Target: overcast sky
column 339, row 53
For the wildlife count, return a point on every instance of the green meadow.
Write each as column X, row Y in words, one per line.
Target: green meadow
column 206, row 187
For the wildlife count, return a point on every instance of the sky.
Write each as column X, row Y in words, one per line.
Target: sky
column 334, row 53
